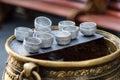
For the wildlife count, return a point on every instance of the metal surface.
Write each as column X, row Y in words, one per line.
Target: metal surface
column 103, row 68
column 17, row 46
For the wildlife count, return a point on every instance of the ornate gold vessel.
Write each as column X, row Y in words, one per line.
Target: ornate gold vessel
column 103, row 67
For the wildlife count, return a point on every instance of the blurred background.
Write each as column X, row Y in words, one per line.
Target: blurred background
column 16, row 13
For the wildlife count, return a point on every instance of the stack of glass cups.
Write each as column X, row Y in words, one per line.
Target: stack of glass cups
column 42, row 31
column 73, row 30
column 46, row 38
column 65, row 33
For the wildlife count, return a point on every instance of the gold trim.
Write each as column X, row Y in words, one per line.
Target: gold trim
column 48, row 63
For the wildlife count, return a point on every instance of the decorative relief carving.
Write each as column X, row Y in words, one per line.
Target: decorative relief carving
column 82, row 74
column 89, row 72
column 116, row 76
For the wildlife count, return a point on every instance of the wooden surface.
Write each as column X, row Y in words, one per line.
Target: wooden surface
column 61, row 8
column 109, row 20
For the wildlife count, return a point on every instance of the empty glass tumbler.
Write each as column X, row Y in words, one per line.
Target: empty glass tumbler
column 65, row 23
column 73, row 30
column 63, row 37
column 88, row 28
column 22, row 32
column 42, row 21
column 31, row 44
column 46, row 38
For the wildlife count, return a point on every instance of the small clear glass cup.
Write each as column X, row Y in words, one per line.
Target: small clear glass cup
column 31, row 44
column 63, row 37
column 88, row 28
column 22, row 32
column 73, row 30
column 47, row 39
column 42, row 21
column 65, row 23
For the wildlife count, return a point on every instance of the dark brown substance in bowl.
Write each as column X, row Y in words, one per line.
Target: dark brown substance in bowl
column 90, row 50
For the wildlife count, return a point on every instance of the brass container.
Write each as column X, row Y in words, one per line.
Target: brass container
column 103, row 67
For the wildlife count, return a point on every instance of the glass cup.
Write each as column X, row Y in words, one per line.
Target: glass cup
column 42, row 21
column 63, row 37
column 65, row 23
column 73, row 30
column 88, row 28
column 31, row 44
column 47, row 39
column 22, row 32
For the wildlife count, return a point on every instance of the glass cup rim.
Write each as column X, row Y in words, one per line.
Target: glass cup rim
column 66, row 21
column 22, row 29
column 42, row 17
column 36, row 34
column 86, row 25
column 65, row 32
column 45, row 28
column 71, row 27
column 27, row 40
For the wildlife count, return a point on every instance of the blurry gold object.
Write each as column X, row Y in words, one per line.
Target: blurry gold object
column 103, row 68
